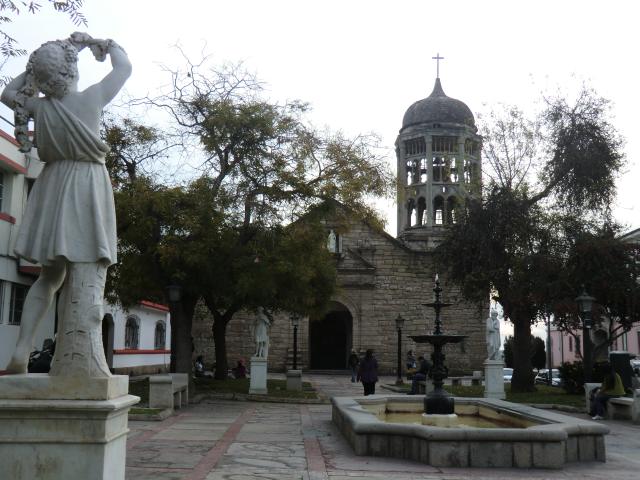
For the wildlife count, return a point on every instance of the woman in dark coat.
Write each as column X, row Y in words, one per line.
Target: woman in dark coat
column 368, row 373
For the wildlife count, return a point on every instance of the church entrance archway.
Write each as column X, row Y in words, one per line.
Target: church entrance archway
column 330, row 339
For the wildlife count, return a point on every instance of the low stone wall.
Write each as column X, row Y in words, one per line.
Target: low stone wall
column 553, row 442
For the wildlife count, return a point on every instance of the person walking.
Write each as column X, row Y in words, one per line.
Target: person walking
column 354, row 361
column 368, row 373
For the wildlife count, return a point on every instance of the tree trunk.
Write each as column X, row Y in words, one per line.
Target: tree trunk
column 522, row 379
column 220, row 341
column 181, row 340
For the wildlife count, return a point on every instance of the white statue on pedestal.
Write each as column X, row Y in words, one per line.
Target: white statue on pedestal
column 332, row 245
column 493, row 336
column 69, row 225
column 261, row 332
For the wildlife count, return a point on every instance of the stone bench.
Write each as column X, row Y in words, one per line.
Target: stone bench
column 622, row 408
column 625, row 408
column 169, row 391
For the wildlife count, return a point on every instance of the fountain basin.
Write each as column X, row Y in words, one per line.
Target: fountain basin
column 524, row 437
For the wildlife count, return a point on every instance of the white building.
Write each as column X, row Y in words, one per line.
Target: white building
column 136, row 340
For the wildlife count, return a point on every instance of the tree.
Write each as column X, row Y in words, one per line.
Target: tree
column 12, row 8
column 609, row 270
column 132, row 147
column 508, row 351
column 517, row 237
column 235, row 236
column 538, row 353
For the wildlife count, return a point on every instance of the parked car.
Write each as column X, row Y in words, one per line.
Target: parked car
column 543, row 377
column 635, row 366
column 507, row 373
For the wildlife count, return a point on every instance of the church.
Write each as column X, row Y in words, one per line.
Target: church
column 381, row 277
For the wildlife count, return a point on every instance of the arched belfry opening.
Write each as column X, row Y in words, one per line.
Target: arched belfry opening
column 330, row 338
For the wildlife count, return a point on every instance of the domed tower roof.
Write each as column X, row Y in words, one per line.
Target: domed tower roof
column 438, row 108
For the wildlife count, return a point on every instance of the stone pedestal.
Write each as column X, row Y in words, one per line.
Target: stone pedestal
column 161, row 391
column 258, row 381
column 294, row 380
column 55, row 428
column 494, row 379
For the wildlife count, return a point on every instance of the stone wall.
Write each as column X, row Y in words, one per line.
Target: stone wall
column 378, row 278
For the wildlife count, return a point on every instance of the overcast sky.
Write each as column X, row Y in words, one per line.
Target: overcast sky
column 361, row 64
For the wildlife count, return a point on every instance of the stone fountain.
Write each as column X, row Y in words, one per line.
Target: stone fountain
column 439, row 406
column 470, row 432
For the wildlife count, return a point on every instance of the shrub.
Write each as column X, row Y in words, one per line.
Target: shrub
column 572, row 375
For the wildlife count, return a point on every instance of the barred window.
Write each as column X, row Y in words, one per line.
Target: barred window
column 160, row 336
column 415, row 146
column 18, row 295
column 444, row 144
column 132, row 333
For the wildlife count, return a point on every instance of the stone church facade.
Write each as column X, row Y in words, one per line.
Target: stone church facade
column 381, row 277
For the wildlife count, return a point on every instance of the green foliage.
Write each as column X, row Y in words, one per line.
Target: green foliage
column 520, row 239
column 572, row 375
column 538, row 354
column 11, row 8
column 132, row 146
column 608, row 268
column 276, row 389
column 508, row 351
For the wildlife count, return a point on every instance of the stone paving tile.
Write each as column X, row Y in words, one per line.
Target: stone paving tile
column 274, row 438
column 222, row 474
column 267, row 444
column 278, row 463
column 168, row 454
column 265, row 450
column 269, row 428
column 205, row 427
column 181, row 435
column 134, row 473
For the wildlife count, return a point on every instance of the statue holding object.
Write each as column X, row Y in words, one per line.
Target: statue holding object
column 69, row 225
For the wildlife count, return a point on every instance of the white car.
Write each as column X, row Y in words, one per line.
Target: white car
column 506, row 374
column 543, row 377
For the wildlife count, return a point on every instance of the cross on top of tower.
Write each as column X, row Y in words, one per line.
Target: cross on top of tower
column 437, row 58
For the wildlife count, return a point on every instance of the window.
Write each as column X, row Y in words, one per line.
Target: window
column 625, row 342
column 571, row 344
column 415, row 146
column 445, row 144
column 438, row 169
column 132, row 333
column 18, row 294
column 1, row 190
column 578, row 344
column 160, row 336
column 438, row 210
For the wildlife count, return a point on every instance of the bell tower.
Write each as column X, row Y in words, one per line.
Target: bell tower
column 439, row 165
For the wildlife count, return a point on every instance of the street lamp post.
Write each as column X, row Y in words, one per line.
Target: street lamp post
column 585, row 305
column 399, row 325
column 295, row 322
column 549, row 357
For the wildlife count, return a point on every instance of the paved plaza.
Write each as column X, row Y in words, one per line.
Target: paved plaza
column 234, row 440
